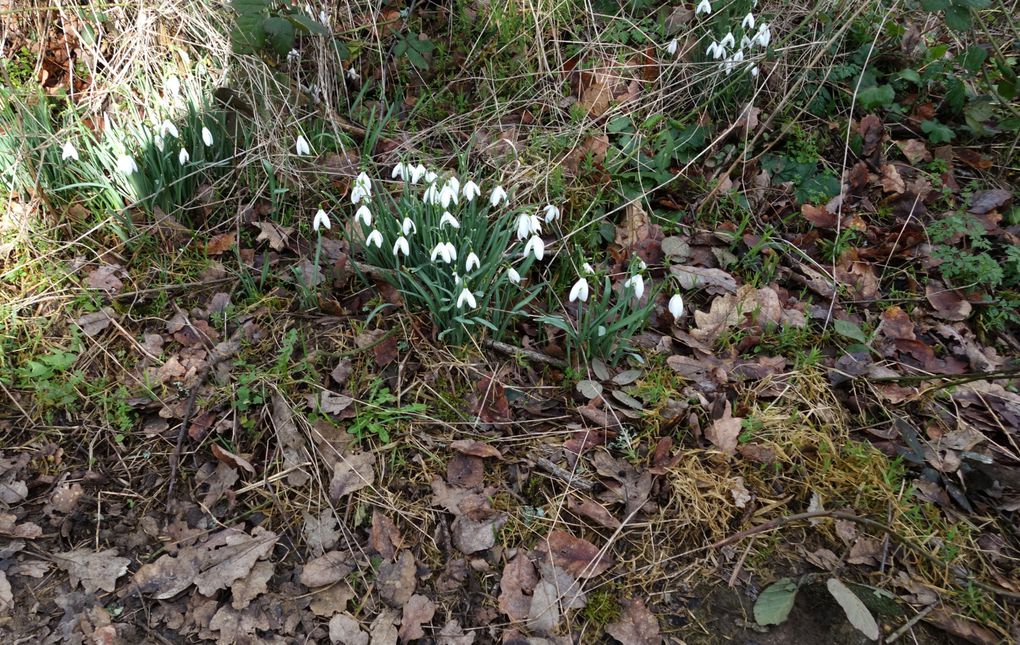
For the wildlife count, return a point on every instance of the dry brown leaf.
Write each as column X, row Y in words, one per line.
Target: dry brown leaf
column 105, row 278
column 93, row 570
column 592, row 510
column 637, row 625
column 577, row 556
column 235, row 560
column 891, row 180
column 93, row 323
column 465, row 471
column 948, row 304
column 384, row 538
column 715, row 281
column 595, row 97
column 235, row 461
column 320, row 532
column 345, row 630
column 475, row 448
column 396, row 580
column 352, row 473
column 327, row 569
column 635, row 485
column 220, row 244
column 723, row 432
column 471, row 536
column 384, row 630
column 914, row 150
column 250, row 587
column 518, row 580
column 274, row 234
column 417, row 611
column 292, row 443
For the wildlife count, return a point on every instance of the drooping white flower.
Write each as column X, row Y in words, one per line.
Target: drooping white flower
column 126, row 165
column 602, row 330
column 454, row 184
column 472, row 260
column 497, row 194
column 68, row 152
column 183, row 157
column 408, row 226
column 528, row 225
column 444, row 251
column 704, row 7
column 401, row 171
column 466, row 297
column 637, row 283
column 359, row 194
column 451, row 250
column 431, row 195
column 430, row 176
column 353, row 74
column 536, row 247
column 513, row 276
column 587, row 268
column 471, row 190
column 401, row 246
column 166, row 127
column 364, row 215
column 324, row 17
column 676, row 306
column 375, row 237
column 207, row 137
column 728, row 41
column 448, row 219
column 417, row 172
column 716, row 51
column 448, row 194
column 764, row 35
column 173, row 86
column 754, row 71
column 301, row 145
column 745, row 42
column 738, row 56
column 551, row 213
column 321, row 219
column 579, row 291
column 672, row 47
column 748, row 21
column 160, row 144
column 363, row 181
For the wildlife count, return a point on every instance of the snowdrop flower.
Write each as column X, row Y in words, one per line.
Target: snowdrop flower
column 407, row 226
column 739, row 56
column 764, row 35
column 676, row 306
column 466, row 297
column 401, row 171
column 68, row 152
column 728, row 66
column 431, row 195
column 528, row 225
column 672, row 47
column 417, row 173
column 754, row 71
column 472, row 260
column 353, row 74
column 551, row 213
column 454, row 185
column 448, row 219
column 173, row 86
column 160, row 144
column 579, row 291
column 301, row 145
column 293, row 57
column 401, row 246
column 728, row 41
column 704, row 7
column 183, row 157
column 446, row 251
column 471, row 190
column 536, row 247
column 375, row 237
column 745, row 42
column 637, row 283
column 321, row 219
column 497, row 194
column 716, row 51
column 126, row 165
column 363, row 181
column 748, row 21
column 359, row 194
column 587, row 268
column 513, row 276
column 166, row 127
column 207, row 137
column 324, row 17
column 602, row 330
column 364, row 215
column 430, row 176
column 447, row 195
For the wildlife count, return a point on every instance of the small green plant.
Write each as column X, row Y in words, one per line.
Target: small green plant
column 378, row 415
column 262, row 24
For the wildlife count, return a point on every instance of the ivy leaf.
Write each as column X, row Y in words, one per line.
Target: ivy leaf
column 775, row 602
column 856, row 612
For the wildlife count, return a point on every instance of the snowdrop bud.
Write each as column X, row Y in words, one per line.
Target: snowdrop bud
column 672, row 47
column 301, row 145
column 321, row 219
column 472, row 261
column 728, row 41
column 173, row 87
column 754, row 71
column 364, row 215
column 704, row 7
column 498, row 194
column 536, row 247
column 417, row 173
column 579, row 291
column 431, row 195
column 375, row 237
column 126, row 165
column 68, row 152
column 587, row 268
column 513, row 276
column 430, row 176
column 207, row 137
column 401, row 246
column 466, row 297
column 471, row 190
column 183, row 157
column 676, row 306
column 353, row 74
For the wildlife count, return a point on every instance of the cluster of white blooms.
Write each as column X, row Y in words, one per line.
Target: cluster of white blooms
column 450, row 214
column 753, row 34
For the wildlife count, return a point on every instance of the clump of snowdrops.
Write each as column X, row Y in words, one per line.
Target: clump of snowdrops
column 737, row 38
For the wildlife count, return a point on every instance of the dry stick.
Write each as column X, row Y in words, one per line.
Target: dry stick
column 918, row 617
column 843, row 515
column 512, row 350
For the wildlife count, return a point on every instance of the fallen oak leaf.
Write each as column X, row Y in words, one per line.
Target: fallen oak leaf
column 724, row 432
column 637, row 625
column 417, row 611
column 93, row 570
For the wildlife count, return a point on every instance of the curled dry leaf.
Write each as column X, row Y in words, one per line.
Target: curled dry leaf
column 637, row 625
column 93, row 570
column 344, row 629
column 715, row 281
column 396, row 580
column 948, row 304
column 723, row 432
column 577, row 556
column 326, row 569
column 292, row 443
column 352, row 473
column 417, row 611
column 93, row 323
column 518, row 581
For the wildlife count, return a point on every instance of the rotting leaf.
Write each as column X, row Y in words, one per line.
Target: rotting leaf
column 105, row 278
column 95, row 322
column 345, row 629
column 518, row 581
column 637, row 625
column 396, row 580
column 417, row 611
column 250, row 587
column 320, row 532
column 592, row 510
column 577, row 556
column 723, row 432
column 589, row 389
column 326, row 569
column 856, row 611
column 94, row 570
column 949, row 304
column 471, row 536
column 274, row 234
column 383, row 537
column 475, row 448
column 775, row 602
column 292, row 443
column 352, row 473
